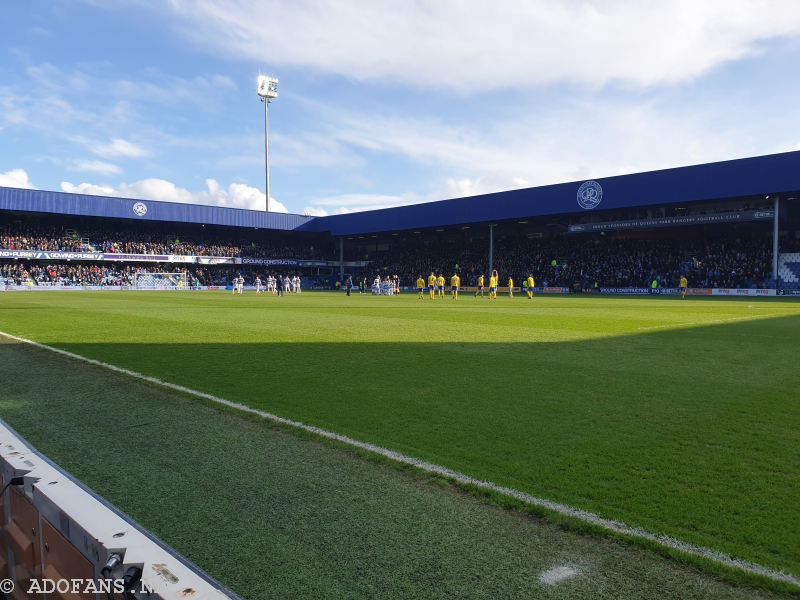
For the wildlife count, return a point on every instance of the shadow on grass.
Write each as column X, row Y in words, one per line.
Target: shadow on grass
column 669, row 430
column 274, row 515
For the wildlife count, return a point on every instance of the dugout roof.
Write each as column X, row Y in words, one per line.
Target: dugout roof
column 746, row 177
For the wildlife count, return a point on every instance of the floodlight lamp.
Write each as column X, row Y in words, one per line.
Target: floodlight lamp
column 267, row 87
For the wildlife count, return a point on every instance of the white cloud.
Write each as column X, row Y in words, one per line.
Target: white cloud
column 46, row 114
column 362, row 200
column 304, row 149
column 12, row 110
column 458, row 188
column 87, row 188
column 473, row 46
column 47, row 77
column 500, row 141
column 346, row 203
column 154, row 87
column 578, row 138
column 118, row 147
column 422, row 139
column 300, row 149
column 314, row 211
column 98, row 166
column 155, row 189
column 16, row 178
column 169, row 90
column 40, row 31
column 238, row 195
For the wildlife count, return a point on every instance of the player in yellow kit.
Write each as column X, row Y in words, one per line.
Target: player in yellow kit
column 455, row 283
column 480, row 287
column 440, row 285
column 531, row 285
column 420, row 286
column 432, row 285
column 493, row 278
column 684, row 285
column 510, row 287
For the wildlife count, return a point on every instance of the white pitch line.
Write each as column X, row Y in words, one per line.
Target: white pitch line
column 671, row 325
column 667, row 325
column 563, row 509
column 557, row 575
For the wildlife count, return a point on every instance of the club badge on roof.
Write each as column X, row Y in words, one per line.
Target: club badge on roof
column 590, row 194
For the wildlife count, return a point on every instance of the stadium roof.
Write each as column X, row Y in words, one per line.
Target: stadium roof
column 746, row 177
column 143, row 210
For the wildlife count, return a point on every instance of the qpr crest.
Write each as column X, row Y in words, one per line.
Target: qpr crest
column 140, row 209
column 589, row 194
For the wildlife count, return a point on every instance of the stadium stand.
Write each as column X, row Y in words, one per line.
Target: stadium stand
column 730, row 258
column 726, row 258
column 77, row 237
column 712, row 223
column 789, row 270
column 104, row 274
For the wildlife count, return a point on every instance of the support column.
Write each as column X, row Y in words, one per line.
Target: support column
column 491, row 248
column 775, row 242
column 341, row 260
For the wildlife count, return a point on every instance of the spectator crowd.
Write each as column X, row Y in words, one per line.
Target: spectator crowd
column 731, row 257
column 564, row 261
column 29, row 236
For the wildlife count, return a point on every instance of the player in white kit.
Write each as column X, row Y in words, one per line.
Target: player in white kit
column 258, row 284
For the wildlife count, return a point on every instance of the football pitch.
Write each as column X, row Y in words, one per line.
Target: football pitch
column 679, row 417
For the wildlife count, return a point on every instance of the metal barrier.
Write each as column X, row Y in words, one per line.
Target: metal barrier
column 58, row 539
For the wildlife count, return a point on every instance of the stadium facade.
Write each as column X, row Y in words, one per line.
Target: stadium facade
column 762, row 190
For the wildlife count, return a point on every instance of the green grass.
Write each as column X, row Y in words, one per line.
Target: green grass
column 274, row 515
column 676, row 416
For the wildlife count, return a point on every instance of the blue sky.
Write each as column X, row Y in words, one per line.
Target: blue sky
column 385, row 102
